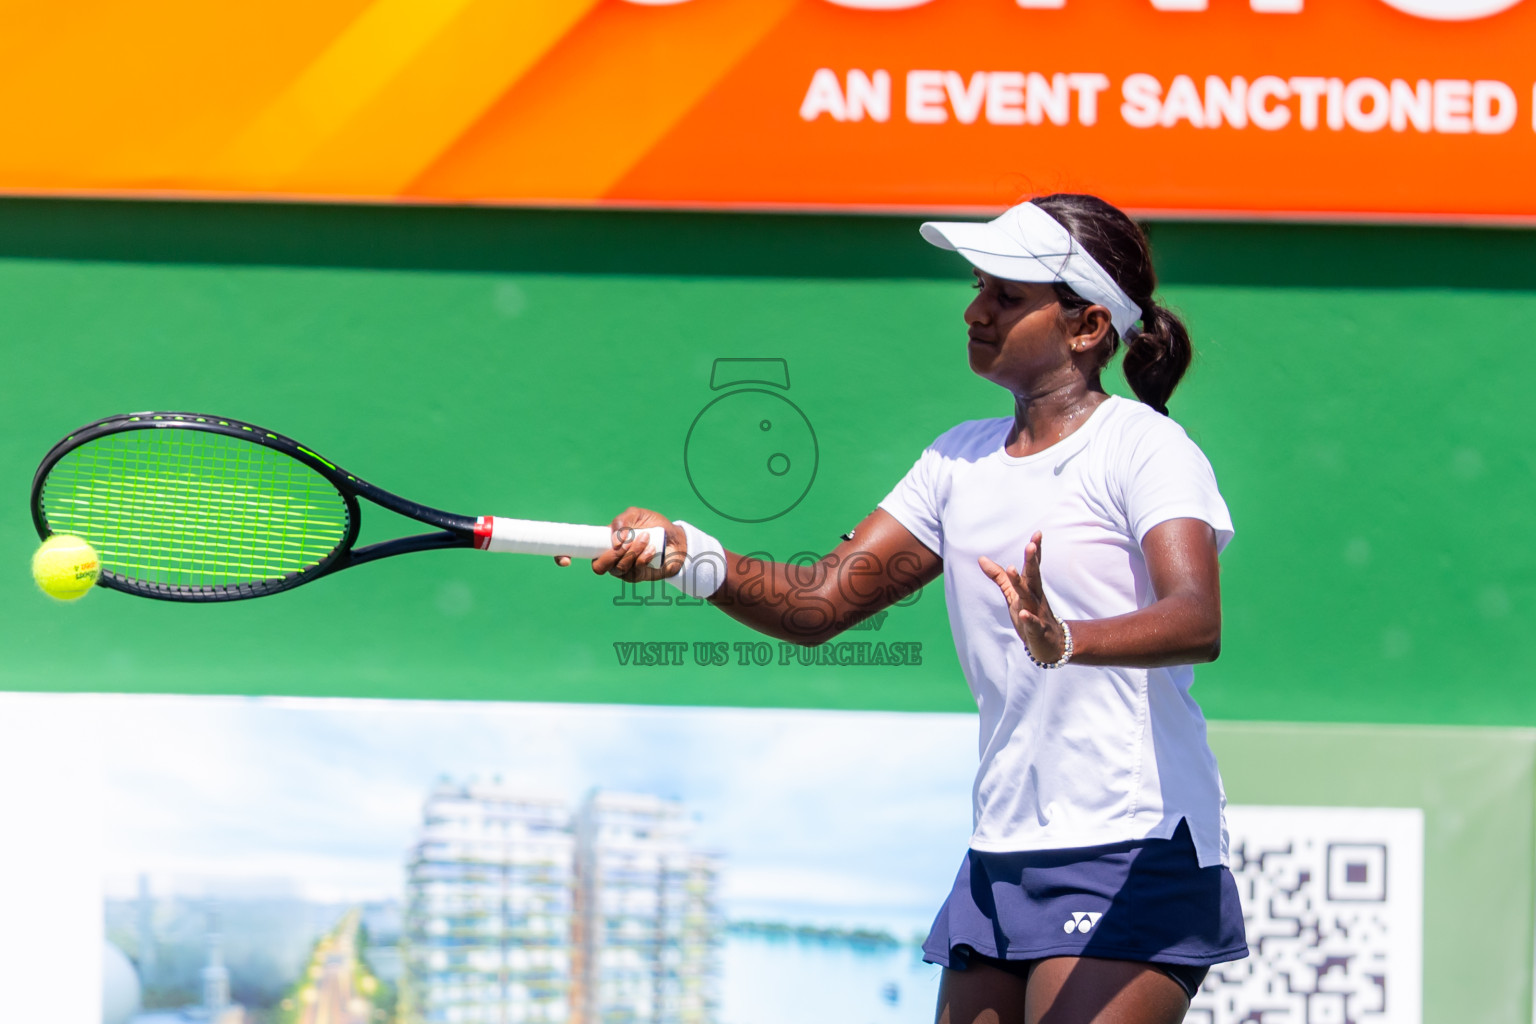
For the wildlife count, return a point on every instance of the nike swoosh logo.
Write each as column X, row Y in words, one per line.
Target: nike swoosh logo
column 1063, row 463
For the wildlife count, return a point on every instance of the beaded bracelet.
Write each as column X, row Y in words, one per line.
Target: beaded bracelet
column 1066, row 650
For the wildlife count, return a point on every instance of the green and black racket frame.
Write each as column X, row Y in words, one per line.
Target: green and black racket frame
column 191, row 507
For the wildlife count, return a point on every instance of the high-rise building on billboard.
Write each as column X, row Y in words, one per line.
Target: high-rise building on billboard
column 647, row 924
column 487, row 930
column 517, row 912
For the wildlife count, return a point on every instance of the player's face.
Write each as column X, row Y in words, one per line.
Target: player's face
column 1016, row 332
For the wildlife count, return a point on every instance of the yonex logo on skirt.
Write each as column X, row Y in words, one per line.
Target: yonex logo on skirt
column 1081, row 922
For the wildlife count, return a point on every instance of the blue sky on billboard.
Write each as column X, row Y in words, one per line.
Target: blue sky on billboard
column 849, row 818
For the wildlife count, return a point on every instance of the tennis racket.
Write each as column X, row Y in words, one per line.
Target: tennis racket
column 189, row 507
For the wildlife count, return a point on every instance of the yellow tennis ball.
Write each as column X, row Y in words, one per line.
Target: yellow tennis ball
column 66, row 567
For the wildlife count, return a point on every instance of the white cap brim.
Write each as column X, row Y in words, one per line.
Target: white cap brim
column 988, row 249
column 1028, row 244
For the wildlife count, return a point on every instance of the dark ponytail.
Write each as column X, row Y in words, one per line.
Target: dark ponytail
column 1157, row 355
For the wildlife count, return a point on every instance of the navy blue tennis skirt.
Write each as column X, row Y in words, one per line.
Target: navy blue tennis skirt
column 1147, row 900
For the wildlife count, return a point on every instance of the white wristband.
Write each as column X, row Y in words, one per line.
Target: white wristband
column 703, row 570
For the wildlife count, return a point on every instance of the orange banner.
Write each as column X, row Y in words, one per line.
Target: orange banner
column 1351, row 108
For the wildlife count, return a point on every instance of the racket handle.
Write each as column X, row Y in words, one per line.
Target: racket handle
column 532, row 537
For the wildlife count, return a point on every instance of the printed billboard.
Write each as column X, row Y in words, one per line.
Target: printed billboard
column 1360, row 108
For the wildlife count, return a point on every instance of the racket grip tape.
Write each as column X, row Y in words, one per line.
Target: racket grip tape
column 534, row 537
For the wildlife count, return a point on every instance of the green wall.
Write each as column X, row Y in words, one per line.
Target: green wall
column 1360, row 391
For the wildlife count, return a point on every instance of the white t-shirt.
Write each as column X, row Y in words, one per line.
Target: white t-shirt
column 1082, row 755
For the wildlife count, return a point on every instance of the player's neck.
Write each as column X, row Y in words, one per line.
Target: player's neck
column 1041, row 420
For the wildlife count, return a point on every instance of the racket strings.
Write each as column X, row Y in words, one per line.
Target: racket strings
column 194, row 508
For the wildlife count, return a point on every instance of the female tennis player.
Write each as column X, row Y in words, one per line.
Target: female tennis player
column 1078, row 540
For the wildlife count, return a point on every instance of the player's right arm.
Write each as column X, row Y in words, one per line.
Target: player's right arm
column 803, row 604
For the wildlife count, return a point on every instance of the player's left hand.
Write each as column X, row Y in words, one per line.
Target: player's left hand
column 1028, row 607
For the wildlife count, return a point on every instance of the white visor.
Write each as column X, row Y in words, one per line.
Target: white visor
column 1028, row 244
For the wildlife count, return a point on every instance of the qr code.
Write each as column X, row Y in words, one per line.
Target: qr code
column 1333, row 904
